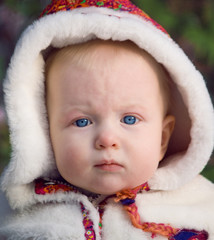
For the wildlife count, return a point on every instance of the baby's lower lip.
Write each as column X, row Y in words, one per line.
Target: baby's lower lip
column 112, row 167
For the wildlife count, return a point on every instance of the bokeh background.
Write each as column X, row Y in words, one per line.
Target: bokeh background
column 190, row 23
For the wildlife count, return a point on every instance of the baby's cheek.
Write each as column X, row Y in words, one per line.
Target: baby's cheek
column 66, row 164
column 73, row 155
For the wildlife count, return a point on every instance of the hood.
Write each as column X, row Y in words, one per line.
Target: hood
column 61, row 25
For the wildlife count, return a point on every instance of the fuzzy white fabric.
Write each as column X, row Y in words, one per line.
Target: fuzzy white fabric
column 32, row 157
column 188, row 207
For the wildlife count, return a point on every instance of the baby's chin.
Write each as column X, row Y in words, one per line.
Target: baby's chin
column 108, row 191
column 112, row 188
column 106, row 187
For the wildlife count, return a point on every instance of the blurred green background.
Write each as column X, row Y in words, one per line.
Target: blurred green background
column 190, row 23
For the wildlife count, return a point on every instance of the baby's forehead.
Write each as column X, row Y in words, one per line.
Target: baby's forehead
column 90, row 53
column 95, row 48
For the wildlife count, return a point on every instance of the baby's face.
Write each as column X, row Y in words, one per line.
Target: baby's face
column 107, row 125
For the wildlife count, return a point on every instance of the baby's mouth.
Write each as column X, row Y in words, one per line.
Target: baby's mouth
column 109, row 166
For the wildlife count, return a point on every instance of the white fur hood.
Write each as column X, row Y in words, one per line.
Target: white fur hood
column 32, row 156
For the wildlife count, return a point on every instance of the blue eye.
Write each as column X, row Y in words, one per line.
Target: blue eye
column 83, row 122
column 129, row 120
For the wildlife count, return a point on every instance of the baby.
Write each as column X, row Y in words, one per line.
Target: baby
column 110, row 126
column 107, row 106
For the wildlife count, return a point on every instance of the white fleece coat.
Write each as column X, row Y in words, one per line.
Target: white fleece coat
column 178, row 196
column 59, row 216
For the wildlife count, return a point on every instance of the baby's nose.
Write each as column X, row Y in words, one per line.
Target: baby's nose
column 107, row 140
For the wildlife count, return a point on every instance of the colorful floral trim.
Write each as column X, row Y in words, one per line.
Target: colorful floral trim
column 46, row 186
column 88, row 224
column 119, row 5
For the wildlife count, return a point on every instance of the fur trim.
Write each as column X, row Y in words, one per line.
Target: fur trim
column 32, row 155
